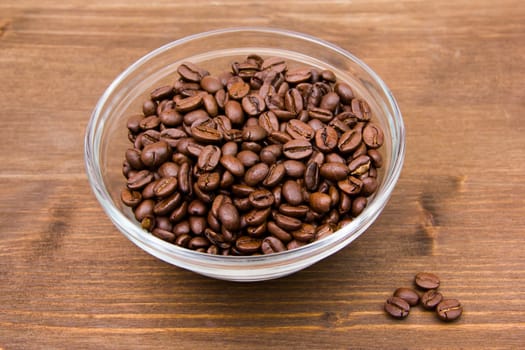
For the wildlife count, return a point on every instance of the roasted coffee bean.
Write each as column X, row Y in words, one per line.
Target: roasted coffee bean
column 206, row 134
column 349, row 141
column 271, row 245
column 351, row 185
column 242, row 190
column 397, row 307
column 155, row 154
column 257, row 231
column 360, row 165
column 298, row 75
column 211, row 84
column 345, row 203
column 376, row 158
column 292, row 192
column 140, row 179
column 294, row 168
column 185, row 182
column 373, row 135
column 233, row 165
column 311, row 176
column 297, row 149
column 358, row 205
column 253, row 104
column 183, row 240
column 287, row 222
column 197, row 225
column 229, row 216
column 197, row 207
column 275, row 174
column 261, row 199
column 179, row 213
column 133, row 158
column 130, row 198
column 268, row 120
column 257, row 216
column 334, row 171
column 209, row 158
column 370, row 185
column 198, row 242
column 248, row 245
column 299, row 130
column 149, row 122
column 256, row 174
column 323, row 231
column 426, row 280
column 165, row 235
column 188, row 103
column 248, row 158
column 276, row 64
column 449, row 310
column 209, row 181
column 407, row 294
column 345, row 92
column 431, row 298
column 191, row 72
column 168, row 204
column 205, row 196
column 320, row 202
column 305, row 233
column 293, row 102
column 254, row 133
column 329, row 101
column 165, row 186
column 278, row 232
column 216, row 239
column 296, row 211
column 326, row 139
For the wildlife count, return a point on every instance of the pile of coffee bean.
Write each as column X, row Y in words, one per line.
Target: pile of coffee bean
column 258, row 159
column 399, row 304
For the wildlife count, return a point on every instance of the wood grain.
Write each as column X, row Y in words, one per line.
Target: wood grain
column 69, row 280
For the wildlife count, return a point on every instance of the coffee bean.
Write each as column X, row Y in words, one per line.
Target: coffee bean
column 373, row 136
column 179, row 213
column 320, row 202
column 261, row 199
column 351, row 185
column 299, row 130
column 449, row 310
column 155, row 154
column 293, row 101
column 165, row 186
column 256, row 174
column 271, row 245
column 431, row 298
column 292, row 192
column 311, row 176
column 275, row 174
column 329, row 101
column 209, row 158
column 168, row 204
column 140, row 179
column 130, row 198
column 233, row 165
column 326, row 139
column 248, row 245
column 426, row 280
column 358, row 205
column 268, row 120
column 270, row 154
column 296, row 211
column 305, row 233
column 211, row 84
column 237, row 88
column 254, row 133
column 229, row 216
column 407, row 294
column 206, row 134
column 253, row 104
column 297, row 149
column 349, row 141
column 287, row 222
column 344, row 91
column 294, row 168
column 397, row 307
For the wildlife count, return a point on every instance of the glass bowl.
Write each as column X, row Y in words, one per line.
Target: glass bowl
column 106, row 140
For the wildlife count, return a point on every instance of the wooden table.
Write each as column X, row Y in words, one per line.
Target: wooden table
column 70, row 280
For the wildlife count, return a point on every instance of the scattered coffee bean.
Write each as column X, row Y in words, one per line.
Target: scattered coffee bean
column 407, row 294
column 431, row 298
column 256, row 160
column 427, row 280
column 397, row 307
column 449, row 310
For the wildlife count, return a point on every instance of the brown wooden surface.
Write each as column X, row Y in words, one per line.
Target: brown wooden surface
column 70, row 280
